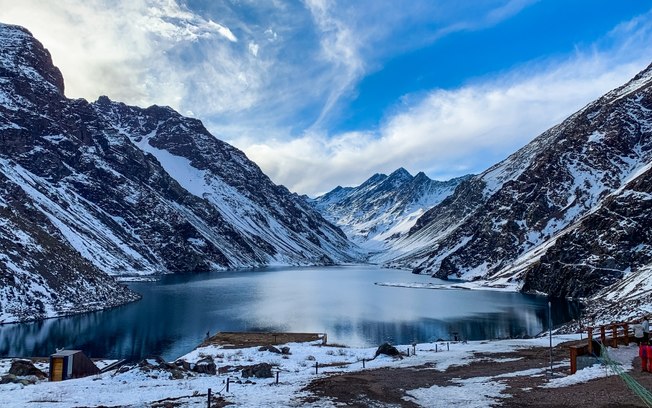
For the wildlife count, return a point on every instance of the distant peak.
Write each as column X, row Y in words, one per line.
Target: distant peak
column 400, row 173
column 421, row 176
column 103, row 100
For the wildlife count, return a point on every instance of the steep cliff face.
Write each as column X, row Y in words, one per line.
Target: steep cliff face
column 601, row 248
column 497, row 225
column 383, row 208
column 41, row 274
column 124, row 190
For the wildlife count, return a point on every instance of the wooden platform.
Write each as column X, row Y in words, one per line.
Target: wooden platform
column 252, row 339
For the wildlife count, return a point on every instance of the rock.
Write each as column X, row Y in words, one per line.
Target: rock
column 262, row 370
column 285, row 350
column 388, row 350
column 8, row 378
column 271, row 349
column 22, row 368
column 183, row 364
column 205, row 366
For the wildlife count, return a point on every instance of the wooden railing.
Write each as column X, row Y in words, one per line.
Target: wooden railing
column 609, row 335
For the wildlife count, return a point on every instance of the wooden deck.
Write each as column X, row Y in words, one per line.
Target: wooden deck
column 252, row 339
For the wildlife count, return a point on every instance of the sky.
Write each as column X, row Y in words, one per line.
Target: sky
column 321, row 93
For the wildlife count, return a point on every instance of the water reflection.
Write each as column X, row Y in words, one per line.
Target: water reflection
column 175, row 313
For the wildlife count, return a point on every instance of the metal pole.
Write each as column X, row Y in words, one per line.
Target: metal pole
column 550, row 332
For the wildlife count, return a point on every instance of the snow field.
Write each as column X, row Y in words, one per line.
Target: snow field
column 136, row 388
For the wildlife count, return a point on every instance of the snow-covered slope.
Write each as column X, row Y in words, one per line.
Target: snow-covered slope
column 133, row 191
column 513, row 221
column 383, row 208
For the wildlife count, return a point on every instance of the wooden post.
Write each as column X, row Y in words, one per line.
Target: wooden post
column 603, row 335
column 590, row 337
column 408, row 352
column 626, row 330
column 316, row 367
column 227, row 383
column 277, row 375
column 573, row 360
column 209, row 398
column 363, row 363
column 435, row 347
column 614, row 334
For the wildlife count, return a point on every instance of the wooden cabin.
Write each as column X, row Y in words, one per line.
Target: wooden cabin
column 67, row 364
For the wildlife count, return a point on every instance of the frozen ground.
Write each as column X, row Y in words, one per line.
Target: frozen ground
column 138, row 388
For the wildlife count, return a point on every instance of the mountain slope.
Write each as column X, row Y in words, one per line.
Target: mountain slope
column 383, row 208
column 497, row 225
column 124, row 190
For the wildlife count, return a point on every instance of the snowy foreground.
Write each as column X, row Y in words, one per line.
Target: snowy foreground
column 138, row 388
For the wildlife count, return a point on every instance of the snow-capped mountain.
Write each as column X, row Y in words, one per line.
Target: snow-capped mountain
column 567, row 214
column 94, row 188
column 383, row 208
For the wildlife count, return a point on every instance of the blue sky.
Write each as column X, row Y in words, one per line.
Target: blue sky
column 323, row 93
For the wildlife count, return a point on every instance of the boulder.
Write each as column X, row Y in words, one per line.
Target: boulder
column 262, row 370
column 205, row 366
column 388, row 350
column 9, row 378
column 285, row 350
column 23, row 368
column 271, row 349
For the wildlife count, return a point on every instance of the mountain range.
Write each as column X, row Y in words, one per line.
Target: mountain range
column 97, row 189
column 382, row 209
column 94, row 190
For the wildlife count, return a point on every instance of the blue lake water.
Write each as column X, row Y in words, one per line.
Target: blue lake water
column 344, row 302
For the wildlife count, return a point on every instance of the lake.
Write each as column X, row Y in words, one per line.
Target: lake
column 343, row 301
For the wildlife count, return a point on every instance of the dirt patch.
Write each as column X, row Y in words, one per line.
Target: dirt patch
column 388, row 386
column 252, row 339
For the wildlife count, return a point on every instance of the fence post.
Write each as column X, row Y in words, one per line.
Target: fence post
column 626, row 330
column 228, row 379
column 603, row 335
column 573, row 360
column 363, row 363
column 614, row 333
column 435, row 347
column 316, row 367
column 590, row 337
column 209, row 398
column 448, row 346
column 277, row 376
column 408, row 352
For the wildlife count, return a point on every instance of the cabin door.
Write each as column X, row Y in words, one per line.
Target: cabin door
column 57, row 369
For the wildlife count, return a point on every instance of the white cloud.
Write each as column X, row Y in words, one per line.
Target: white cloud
column 140, row 52
column 446, row 133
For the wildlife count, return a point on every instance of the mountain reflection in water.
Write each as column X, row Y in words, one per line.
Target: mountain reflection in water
column 176, row 312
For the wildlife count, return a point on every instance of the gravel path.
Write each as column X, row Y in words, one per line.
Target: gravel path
column 388, row 387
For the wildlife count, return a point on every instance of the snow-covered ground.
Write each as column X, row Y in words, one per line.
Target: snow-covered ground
column 136, row 388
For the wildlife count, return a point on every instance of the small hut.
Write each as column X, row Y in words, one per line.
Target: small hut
column 67, row 364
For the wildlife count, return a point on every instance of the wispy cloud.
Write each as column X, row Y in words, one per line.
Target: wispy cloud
column 447, row 133
column 271, row 77
column 138, row 51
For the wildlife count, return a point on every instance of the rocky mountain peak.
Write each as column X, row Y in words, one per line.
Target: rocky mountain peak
column 24, row 59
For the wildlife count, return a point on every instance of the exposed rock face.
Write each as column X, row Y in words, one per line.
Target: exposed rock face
column 383, row 208
column 559, row 216
column 90, row 189
column 601, row 247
